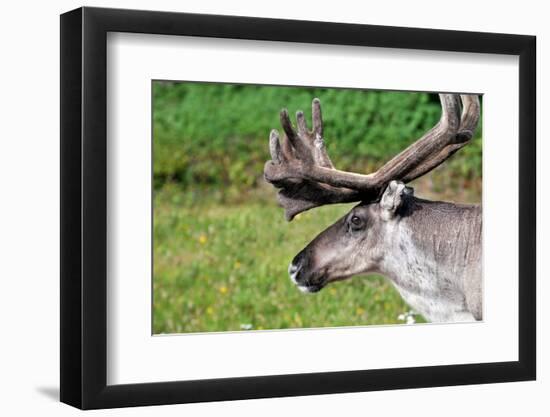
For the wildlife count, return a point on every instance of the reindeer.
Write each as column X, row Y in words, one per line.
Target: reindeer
column 429, row 250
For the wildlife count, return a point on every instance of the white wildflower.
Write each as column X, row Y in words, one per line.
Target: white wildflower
column 407, row 317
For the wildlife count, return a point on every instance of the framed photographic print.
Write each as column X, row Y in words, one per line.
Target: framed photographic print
column 257, row 208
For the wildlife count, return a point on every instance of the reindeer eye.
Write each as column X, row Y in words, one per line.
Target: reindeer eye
column 356, row 221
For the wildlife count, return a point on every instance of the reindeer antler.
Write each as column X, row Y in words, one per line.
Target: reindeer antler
column 303, row 171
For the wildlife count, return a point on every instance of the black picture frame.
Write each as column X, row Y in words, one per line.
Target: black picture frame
column 84, row 207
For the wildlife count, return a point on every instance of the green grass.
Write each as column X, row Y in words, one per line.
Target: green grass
column 222, row 267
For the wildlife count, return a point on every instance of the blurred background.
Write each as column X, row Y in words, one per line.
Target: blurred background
column 221, row 244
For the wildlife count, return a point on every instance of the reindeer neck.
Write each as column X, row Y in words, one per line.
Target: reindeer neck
column 429, row 252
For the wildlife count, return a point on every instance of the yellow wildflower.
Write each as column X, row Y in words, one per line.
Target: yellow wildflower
column 202, row 239
column 223, row 289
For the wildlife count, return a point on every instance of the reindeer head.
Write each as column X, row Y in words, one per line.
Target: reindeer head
column 302, row 170
column 353, row 245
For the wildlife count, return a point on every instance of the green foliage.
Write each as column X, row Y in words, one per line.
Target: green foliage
column 216, row 134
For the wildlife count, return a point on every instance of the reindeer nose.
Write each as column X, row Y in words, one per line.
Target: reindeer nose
column 293, row 270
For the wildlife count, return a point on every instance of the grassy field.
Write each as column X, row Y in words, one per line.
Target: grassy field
column 223, row 267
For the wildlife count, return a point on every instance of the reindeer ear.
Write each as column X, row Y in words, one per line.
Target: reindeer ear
column 393, row 198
